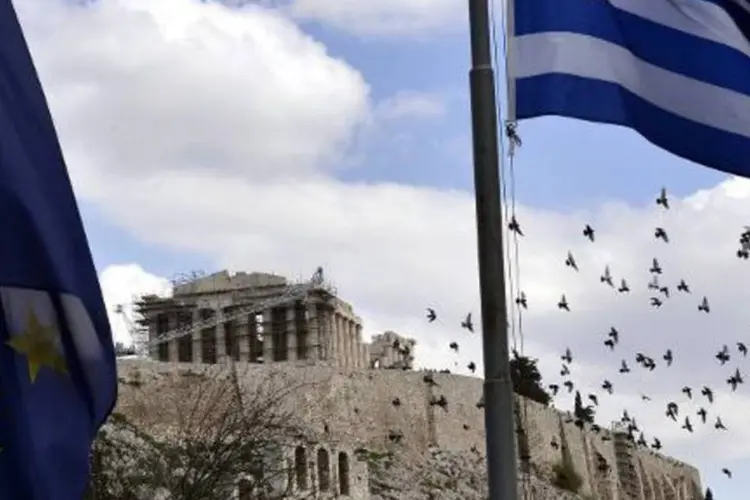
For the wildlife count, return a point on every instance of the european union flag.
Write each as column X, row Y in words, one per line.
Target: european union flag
column 58, row 378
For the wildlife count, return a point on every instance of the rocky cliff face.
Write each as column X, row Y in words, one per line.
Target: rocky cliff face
column 445, row 475
column 362, row 409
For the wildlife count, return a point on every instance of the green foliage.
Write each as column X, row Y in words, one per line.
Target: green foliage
column 372, row 456
column 566, row 477
column 585, row 413
column 527, row 381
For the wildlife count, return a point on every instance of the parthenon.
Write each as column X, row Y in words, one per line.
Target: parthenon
column 263, row 318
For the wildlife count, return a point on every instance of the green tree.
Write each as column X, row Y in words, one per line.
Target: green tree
column 527, row 381
column 566, row 477
column 585, row 413
column 709, row 494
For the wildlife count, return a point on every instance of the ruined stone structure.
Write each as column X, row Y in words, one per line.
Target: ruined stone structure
column 320, row 471
column 387, row 351
column 307, row 333
column 231, row 319
column 354, row 408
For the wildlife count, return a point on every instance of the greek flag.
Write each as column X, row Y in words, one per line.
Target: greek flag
column 676, row 71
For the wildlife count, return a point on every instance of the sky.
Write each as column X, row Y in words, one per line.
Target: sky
column 277, row 136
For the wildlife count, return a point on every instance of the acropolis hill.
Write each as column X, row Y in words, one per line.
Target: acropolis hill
column 304, row 332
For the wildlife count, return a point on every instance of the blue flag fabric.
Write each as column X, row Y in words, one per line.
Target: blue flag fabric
column 676, row 71
column 58, row 378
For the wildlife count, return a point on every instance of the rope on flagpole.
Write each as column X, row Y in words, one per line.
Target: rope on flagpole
column 509, row 141
column 508, row 213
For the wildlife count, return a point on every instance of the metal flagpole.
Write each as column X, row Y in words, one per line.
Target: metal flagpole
column 498, row 389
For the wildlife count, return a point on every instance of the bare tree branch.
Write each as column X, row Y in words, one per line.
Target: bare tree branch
column 196, row 436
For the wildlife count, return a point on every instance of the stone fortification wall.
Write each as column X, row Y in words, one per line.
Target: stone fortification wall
column 380, row 408
column 654, row 476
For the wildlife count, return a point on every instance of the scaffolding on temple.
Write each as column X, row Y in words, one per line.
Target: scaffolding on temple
column 188, row 296
column 293, row 292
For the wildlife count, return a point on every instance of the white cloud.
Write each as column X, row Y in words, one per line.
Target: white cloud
column 121, row 286
column 382, row 17
column 190, row 86
column 412, row 105
column 187, row 135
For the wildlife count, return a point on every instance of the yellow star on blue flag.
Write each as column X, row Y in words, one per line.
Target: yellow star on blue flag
column 40, row 345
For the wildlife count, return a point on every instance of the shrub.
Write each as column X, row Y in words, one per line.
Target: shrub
column 527, row 381
column 566, row 477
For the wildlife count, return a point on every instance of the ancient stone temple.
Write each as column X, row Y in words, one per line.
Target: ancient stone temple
column 263, row 318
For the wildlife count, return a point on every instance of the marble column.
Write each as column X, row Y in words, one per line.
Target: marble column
column 357, row 347
column 243, row 332
column 326, row 328
column 265, row 329
column 258, row 353
column 348, row 343
column 354, row 346
column 334, row 338
column 313, row 336
column 321, row 331
column 222, row 356
column 340, row 341
column 197, row 345
column 153, row 349
column 354, row 350
column 291, row 334
column 345, row 342
column 364, row 358
column 172, row 344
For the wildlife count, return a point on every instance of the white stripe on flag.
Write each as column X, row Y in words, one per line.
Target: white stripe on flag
column 589, row 57
column 87, row 344
column 694, row 17
column 743, row 4
column 18, row 302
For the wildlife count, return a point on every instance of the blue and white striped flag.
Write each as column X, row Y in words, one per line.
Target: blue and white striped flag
column 676, row 71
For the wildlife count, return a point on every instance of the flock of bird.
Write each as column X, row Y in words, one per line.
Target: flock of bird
column 659, row 293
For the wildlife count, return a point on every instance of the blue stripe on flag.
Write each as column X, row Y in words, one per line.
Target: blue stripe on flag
column 604, row 102
column 654, row 43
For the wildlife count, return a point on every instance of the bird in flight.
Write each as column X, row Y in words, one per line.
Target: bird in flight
column 431, row 315
column 467, row 324
column 514, row 226
column 588, row 232
column 570, row 261
column 662, row 199
column 607, row 277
